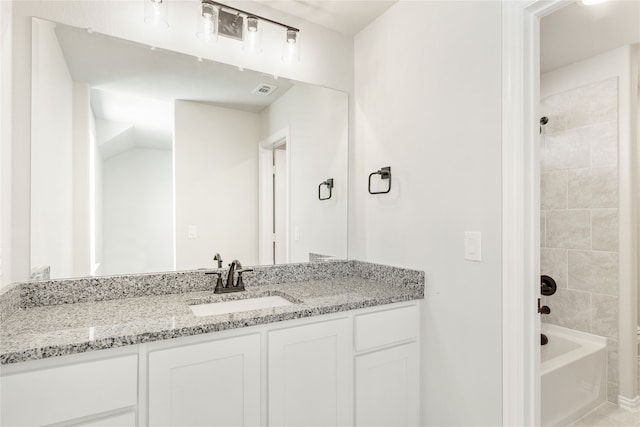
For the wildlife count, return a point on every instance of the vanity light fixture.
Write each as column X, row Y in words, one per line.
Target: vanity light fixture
column 216, row 19
column 251, row 31
column 156, row 13
column 590, row 2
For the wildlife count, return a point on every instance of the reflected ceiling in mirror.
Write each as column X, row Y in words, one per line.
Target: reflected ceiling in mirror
column 146, row 160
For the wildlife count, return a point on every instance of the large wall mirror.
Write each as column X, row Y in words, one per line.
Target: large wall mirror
column 145, row 160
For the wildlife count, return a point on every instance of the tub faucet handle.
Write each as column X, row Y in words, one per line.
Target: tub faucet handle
column 548, row 286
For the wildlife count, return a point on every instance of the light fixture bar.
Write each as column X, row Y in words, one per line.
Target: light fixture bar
column 249, row 14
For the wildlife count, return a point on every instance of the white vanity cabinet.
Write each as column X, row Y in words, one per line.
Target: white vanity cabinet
column 387, row 383
column 215, row 383
column 310, row 375
column 356, row 367
column 76, row 390
column 352, row 368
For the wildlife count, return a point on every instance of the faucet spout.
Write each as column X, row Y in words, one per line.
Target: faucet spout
column 232, row 271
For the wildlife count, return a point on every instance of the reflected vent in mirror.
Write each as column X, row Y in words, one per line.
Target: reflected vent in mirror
column 264, row 89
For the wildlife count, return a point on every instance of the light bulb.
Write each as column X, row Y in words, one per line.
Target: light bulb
column 252, row 24
column 252, row 35
column 156, row 13
column 291, row 47
column 208, row 22
column 292, row 36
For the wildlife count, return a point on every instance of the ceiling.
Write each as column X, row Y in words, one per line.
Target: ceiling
column 112, row 64
column 576, row 32
column 133, row 87
column 344, row 16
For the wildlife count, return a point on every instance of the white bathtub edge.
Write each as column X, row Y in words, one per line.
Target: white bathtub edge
column 632, row 405
column 589, row 344
column 572, row 333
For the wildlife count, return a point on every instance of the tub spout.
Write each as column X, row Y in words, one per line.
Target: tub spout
column 543, row 309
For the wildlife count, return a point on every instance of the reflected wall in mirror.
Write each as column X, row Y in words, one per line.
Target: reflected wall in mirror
column 146, row 160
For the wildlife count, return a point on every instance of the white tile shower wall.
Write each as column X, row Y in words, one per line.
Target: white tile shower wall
column 579, row 211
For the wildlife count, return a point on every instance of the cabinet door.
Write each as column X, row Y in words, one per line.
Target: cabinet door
column 387, row 387
column 215, row 383
column 310, row 376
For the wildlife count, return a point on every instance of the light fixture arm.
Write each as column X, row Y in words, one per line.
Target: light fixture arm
column 249, row 14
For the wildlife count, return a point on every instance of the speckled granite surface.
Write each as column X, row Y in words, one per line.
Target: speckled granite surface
column 104, row 288
column 9, row 300
column 126, row 310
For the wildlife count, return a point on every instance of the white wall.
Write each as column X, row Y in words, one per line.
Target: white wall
column 137, row 212
column 428, row 104
column 52, row 156
column 216, row 184
column 318, row 149
column 326, row 59
column 620, row 63
column 5, row 142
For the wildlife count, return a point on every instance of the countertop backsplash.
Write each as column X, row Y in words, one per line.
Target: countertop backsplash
column 106, row 288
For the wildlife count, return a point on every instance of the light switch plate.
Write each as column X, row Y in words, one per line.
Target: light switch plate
column 192, row 231
column 473, row 245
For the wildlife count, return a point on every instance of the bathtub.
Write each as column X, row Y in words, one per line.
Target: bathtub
column 573, row 375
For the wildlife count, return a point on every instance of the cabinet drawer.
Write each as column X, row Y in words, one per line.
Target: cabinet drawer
column 63, row 393
column 386, row 327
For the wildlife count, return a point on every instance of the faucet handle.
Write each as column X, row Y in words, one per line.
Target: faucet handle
column 240, row 282
column 219, row 284
column 218, row 257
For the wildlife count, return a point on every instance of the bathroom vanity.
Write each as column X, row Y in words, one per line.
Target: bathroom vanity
column 344, row 352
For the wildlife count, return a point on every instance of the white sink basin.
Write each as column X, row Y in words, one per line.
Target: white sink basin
column 237, row 306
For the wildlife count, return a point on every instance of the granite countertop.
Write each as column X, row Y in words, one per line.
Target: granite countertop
column 40, row 332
